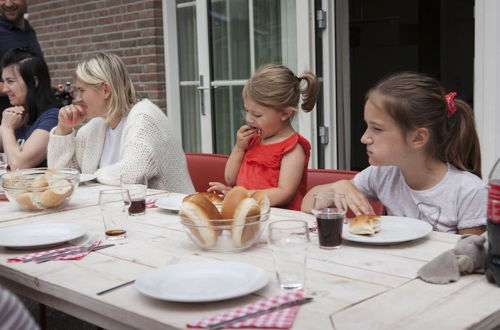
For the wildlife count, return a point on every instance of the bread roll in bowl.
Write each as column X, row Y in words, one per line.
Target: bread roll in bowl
column 198, row 212
column 262, row 200
column 56, row 193
column 247, row 212
column 366, row 224
column 213, row 197
column 29, row 201
column 231, row 201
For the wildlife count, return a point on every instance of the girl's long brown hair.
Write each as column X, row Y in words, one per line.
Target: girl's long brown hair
column 414, row 100
column 276, row 86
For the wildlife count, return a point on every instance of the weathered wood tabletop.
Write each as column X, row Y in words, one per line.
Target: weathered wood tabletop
column 355, row 287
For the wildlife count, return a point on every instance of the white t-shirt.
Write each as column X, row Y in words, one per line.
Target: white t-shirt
column 112, row 142
column 458, row 201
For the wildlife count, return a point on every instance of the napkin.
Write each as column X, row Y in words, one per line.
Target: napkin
column 280, row 319
column 73, row 256
column 468, row 256
column 151, row 203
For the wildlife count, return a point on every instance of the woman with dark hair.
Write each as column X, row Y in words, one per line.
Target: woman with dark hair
column 24, row 130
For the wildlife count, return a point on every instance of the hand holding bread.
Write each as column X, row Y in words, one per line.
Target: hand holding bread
column 239, row 219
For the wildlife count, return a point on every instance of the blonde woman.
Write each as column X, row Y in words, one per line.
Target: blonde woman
column 124, row 137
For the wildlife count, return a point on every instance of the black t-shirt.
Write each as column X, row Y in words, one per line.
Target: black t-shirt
column 12, row 37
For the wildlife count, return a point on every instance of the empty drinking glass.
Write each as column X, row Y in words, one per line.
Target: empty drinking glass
column 289, row 240
column 114, row 205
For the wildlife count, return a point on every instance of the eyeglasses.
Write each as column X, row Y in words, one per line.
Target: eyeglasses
column 429, row 213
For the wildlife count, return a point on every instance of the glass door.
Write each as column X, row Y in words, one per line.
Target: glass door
column 220, row 44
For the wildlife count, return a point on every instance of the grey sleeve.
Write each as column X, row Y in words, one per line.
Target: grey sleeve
column 364, row 182
column 472, row 208
column 13, row 314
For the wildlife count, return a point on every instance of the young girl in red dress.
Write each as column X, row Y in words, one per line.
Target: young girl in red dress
column 269, row 155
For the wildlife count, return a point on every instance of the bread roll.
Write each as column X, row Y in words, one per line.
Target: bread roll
column 365, row 225
column 15, row 180
column 213, row 197
column 56, row 193
column 247, row 211
column 29, row 201
column 38, row 184
column 262, row 200
column 231, row 201
column 197, row 210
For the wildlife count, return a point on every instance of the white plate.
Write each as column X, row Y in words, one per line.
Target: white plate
column 171, row 203
column 39, row 234
column 202, row 281
column 84, row 177
column 393, row 230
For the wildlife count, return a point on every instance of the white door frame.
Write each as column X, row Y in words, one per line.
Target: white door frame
column 487, row 80
column 306, row 61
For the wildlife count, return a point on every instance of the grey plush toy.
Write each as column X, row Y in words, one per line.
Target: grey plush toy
column 468, row 256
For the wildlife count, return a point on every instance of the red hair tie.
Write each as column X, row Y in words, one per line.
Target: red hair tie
column 451, row 107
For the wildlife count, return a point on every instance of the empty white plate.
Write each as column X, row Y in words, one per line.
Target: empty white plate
column 39, row 235
column 171, row 203
column 202, row 281
column 393, row 230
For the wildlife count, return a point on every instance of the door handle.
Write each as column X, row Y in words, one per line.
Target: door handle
column 202, row 88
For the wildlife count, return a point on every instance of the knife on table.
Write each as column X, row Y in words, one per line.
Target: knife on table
column 68, row 253
column 297, row 302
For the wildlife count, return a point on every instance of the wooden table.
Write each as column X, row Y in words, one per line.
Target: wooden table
column 355, row 287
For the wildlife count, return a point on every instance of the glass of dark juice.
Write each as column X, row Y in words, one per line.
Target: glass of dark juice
column 137, row 187
column 330, row 209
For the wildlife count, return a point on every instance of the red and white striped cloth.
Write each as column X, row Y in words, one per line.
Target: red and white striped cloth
column 73, row 256
column 151, row 203
column 280, row 319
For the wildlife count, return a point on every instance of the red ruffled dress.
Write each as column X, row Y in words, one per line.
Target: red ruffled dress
column 261, row 166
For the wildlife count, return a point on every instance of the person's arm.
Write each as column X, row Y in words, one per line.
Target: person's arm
column 234, row 162
column 32, row 153
column 356, row 201
column 292, row 169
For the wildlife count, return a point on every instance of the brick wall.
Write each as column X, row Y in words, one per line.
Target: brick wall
column 66, row 29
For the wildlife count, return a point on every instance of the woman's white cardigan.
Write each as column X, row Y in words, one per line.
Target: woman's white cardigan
column 147, row 148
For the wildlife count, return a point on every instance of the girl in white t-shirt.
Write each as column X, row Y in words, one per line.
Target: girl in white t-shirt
column 424, row 154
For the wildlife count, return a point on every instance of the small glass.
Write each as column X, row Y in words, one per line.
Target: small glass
column 288, row 240
column 115, row 204
column 137, row 188
column 330, row 209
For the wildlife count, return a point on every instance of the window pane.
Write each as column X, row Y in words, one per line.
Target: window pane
column 230, row 39
column 227, row 117
column 190, row 103
column 188, row 73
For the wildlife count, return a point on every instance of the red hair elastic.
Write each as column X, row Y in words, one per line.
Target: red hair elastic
column 451, row 107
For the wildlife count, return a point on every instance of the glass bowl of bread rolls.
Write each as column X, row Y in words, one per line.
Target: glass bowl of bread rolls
column 35, row 189
column 234, row 225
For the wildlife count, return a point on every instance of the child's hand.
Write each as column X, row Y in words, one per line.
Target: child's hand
column 217, row 186
column 243, row 136
column 356, row 201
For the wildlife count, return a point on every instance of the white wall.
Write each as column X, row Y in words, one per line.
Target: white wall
column 487, row 80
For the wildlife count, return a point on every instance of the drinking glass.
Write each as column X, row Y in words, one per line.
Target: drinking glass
column 137, row 189
column 288, row 240
column 114, row 205
column 330, row 209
